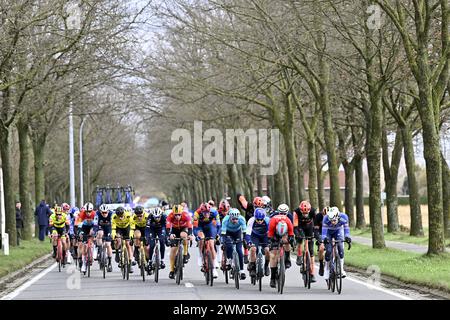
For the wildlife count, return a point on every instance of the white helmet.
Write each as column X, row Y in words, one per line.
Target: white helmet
column 234, row 213
column 157, row 213
column 333, row 213
column 266, row 200
column 283, row 208
column 103, row 208
column 88, row 206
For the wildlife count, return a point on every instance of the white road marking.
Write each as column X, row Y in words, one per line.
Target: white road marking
column 27, row 284
column 189, row 285
column 369, row 285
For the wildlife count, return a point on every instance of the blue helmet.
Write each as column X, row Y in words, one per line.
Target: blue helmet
column 260, row 213
column 74, row 210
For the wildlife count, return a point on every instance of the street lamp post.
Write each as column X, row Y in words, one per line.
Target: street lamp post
column 81, row 163
column 71, row 159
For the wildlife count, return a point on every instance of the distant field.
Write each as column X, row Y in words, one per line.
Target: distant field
column 404, row 218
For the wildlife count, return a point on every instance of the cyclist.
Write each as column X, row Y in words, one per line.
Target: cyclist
column 85, row 224
column 268, row 206
column 280, row 229
column 66, row 210
column 205, row 223
column 103, row 229
column 178, row 225
column 59, row 223
column 335, row 225
column 256, row 235
column 234, row 228
column 121, row 228
column 224, row 207
column 249, row 208
column 304, row 227
column 317, row 234
column 156, row 225
column 138, row 224
column 73, row 215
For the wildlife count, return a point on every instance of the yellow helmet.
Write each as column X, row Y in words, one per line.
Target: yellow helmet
column 58, row 209
column 177, row 209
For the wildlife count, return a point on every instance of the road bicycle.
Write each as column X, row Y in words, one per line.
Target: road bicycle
column 281, row 277
column 156, row 259
column 208, row 263
column 259, row 266
column 235, row 266
column 60, row 256
column 88, row 256
column 334, row 281
column 305, row 267
column 178, row 269
column 124, row 260
column 141, row 259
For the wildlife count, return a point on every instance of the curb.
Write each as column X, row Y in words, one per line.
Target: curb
column 21, row 272
column 402, row 284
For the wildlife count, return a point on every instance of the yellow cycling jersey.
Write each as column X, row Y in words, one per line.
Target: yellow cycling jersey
column 140, row 223
column 58, row 222
column 121, row 222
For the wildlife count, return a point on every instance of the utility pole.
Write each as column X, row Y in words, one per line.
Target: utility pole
column 81, row 163
column 71, row 159
column 5, row 236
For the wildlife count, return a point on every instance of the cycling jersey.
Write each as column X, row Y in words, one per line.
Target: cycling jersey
column 273, row 224
column 157, row 226
column 335, row 231
column 121, row 222
column 228, row 225
column 184, row 222
column 200, row 220
column 103, row 223
column 139, row 222
column 86, row 218
column 258, row 229
column 59, row 222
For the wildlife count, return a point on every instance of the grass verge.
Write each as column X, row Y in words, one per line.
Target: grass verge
column 19, row 257
column 430, row 271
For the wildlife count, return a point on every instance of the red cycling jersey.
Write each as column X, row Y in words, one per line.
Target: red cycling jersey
column 273, row 224
column 184, row 222
column 84, row 215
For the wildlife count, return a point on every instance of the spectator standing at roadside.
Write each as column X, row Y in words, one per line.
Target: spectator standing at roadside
column 43, row 213
column 19, row 222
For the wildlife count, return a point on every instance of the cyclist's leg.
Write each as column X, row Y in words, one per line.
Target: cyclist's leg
column 287, row 252
column 210, row 232
column 299, row 239
column 328, row 249
column 184, row 236
column 136, row 242
column 151, row 243
column 274, row 253
column 162, row 244
column 340, row 245
column 54, row 236
column 251, row 267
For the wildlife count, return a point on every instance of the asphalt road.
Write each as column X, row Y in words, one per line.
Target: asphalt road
column 71, row 284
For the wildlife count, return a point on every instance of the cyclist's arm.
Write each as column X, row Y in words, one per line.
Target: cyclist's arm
column 242, row 201
column 243, row 225
column 324, row 229
column 224, row 225
column 250, row 226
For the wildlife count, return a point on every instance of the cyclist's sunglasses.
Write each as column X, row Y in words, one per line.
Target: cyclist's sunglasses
column 104, row 212
column 259, row 220
column 234, row 219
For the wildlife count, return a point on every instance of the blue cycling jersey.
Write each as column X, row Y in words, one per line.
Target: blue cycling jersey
column 228, row 225
column 328, row 228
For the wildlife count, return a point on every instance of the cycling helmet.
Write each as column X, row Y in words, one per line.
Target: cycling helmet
column 74, row 210
column 224, row 206
column 177, row 209
column 282, row 228
column 333, row 214
column 234, row 213
column 211, row 203
column 258, row 202
column 260, row 213
column 120, row 211
column 65, row 207
column 58, row 210
column 157, row 213
column 103, row 208
column 305, row 207
column 139, row 210
column 283, row 209
column 325, row 210
column 267, row 200
column 205, row 207
column 89, row 206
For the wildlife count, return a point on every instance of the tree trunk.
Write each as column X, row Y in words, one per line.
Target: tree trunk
column 320, row 180
column 391, row 179
column 24, row 179
column 301, row 184
column 312, row 178
column 446, row 196
column 373, row 140
column 10, row 211
column 416, row 228
column 359, row 185
column 259, row 182
column 279, row 191
column 286, row 185
column 291, row 159
column 349, row 168
column 232, row 175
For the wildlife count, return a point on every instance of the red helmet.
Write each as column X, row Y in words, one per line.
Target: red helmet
column 224, row 206
column 65, row 206
column 258, row 202
column 204, row 207
column 305, row 207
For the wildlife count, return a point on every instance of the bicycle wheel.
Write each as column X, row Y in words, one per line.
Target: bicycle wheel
column 338, row 274
column 179, row 263
column 88, row 262
column 142, row 258
column 59, row 256
column 307, row 268
column 332, row 277
column 236, row 268
column 281, row 274
column 210, row 268
column 156, row 262
column 127, row 263
column 259, row 270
